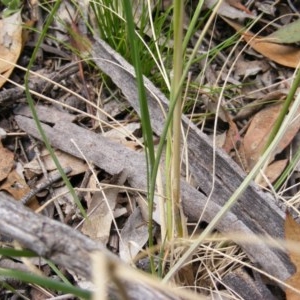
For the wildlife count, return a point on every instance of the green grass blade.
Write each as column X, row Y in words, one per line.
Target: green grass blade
column 172, row 105
column 145, row 116
column 175, row 140
column 34, row 113
column 295, row 160
column 192, row 24
column 46, row 282
column 58, row 272
column 17, row 253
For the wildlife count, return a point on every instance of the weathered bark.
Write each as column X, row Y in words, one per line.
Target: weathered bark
column 66, row 247
column 244, row 285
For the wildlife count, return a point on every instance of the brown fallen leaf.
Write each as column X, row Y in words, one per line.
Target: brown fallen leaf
column 282, row 54
column 292, row 233
column 232, row 134
column 10, row 44
column 65, row 159
column 273, row 171
column 98, row 224
column 259, row 130
column 17, row 187
column 6, row 162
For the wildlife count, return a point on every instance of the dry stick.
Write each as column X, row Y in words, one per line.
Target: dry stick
column 51, row 179
column 47, row 178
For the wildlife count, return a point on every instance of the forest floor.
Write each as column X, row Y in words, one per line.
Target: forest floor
column 72, row 150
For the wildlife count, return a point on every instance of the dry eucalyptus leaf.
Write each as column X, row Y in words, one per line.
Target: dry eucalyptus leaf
column 6, row 162
column 100, row 211
column 292, row 233
column 282, row 54
column 134, row 236
column 273, row 171
column 97, row 225
column 245, row 68
column 10, row 44
column 259, row 130
column 289, row 33
column 16, row 186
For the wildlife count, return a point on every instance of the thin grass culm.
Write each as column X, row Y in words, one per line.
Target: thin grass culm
column 175, row 218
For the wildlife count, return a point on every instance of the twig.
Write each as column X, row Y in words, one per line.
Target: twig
column 53, row 178
column 46, row 175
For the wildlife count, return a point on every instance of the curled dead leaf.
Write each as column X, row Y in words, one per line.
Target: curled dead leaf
column 18, row 188
column 10, row 44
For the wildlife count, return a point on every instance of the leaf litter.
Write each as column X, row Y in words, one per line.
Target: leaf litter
column 10, row 44
column 100, row 210
column 251, row 71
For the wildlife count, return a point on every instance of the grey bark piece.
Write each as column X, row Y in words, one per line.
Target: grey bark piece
column 245, row 287
column 64, row 246
column 46, row 116
column 113, row 158
column 107, row 155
